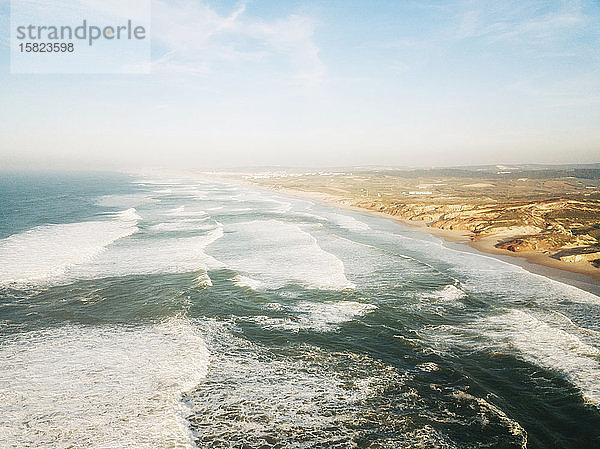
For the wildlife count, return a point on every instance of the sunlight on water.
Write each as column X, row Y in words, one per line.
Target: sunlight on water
column 192, row 313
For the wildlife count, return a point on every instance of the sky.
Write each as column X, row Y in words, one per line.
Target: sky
column 323, row 84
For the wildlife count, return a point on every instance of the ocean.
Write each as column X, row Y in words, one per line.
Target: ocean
column 166, row 311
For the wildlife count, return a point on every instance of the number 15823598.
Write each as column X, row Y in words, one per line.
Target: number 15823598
column 45, row 47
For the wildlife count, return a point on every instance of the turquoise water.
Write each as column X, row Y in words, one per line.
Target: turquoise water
column 164, row 311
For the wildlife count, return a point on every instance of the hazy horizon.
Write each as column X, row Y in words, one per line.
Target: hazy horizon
column 270, row 224
column 305, row 84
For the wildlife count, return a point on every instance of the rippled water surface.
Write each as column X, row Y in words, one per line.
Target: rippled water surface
column 167, row 311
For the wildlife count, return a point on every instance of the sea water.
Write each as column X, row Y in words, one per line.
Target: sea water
column 171, row 311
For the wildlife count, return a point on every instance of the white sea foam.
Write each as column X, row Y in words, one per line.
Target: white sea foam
column 203, row 280
column 240, row 210
column 129, row 215
column 488, row 275
column 278, row 253
column 343, row 221
column 488, row 408
column 556, row 289
column 428, row 367
column 311, row 398
column 248, row 282
column 60, row 254
column 152, row 256
column 269, row 203
column 189, row 191
column 46, row 253
column 164, row 181
column 549, row 346
column 559, row 348
column 99, row 387
column 125, row 200
column 281, row 206
column 181, row 211
column 321, row 317
column 178, row 211
column 191, row 224
column 349, row 222
column 327, row 315
column 449, row 293
column 311, row 217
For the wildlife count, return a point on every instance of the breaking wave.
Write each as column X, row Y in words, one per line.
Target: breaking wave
column 100, row 387
column 45, row 254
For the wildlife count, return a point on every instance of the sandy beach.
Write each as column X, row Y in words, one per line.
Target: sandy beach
column 533, row 261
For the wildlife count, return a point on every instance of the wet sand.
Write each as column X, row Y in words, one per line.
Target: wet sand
column 581, row 274
column 533, row 261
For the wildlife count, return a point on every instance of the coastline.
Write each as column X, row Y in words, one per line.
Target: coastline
column 535, row 262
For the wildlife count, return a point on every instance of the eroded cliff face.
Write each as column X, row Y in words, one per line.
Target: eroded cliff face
column 553, row 212
column 547, row 226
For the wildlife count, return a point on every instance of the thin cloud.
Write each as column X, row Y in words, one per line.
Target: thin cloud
column 190, row 37
column 521, row 22
column 193, row 35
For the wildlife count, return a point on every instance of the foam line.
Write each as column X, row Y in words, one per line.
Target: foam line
column 100, row 387
column 44, row 254
column 278, row 253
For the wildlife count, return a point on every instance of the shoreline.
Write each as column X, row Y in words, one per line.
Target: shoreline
column 534, row 262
